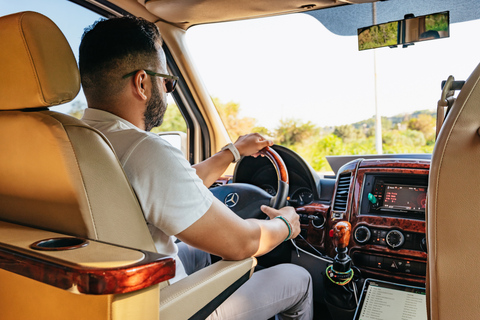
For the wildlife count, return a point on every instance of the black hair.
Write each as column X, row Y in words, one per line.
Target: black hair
column 112, row 48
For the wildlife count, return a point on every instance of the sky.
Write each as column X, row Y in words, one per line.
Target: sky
column 293, row 67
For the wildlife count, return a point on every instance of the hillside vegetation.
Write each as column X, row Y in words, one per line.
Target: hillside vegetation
column 403, row 133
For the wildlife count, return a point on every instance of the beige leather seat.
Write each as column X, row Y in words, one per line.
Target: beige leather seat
column 453, row 216
column 60, row 175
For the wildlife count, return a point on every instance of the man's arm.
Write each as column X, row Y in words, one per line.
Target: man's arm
column 212, row 168
column 221, row 232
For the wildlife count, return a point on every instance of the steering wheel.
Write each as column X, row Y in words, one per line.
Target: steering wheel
column 245, row 199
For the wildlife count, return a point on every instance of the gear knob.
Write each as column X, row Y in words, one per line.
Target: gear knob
column 341, row 234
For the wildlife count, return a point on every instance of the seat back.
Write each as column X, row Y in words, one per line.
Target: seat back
column 56, row 173
column 453, row 210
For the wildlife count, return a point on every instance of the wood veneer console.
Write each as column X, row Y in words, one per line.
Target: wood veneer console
column 95, row 268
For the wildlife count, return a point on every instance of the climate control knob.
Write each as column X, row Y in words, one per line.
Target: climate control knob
column 395, row 239
column 362, row 234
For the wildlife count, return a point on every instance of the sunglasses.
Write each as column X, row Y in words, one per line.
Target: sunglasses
column 170, row 81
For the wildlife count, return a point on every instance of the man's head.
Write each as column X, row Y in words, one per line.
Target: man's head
column 111, row 49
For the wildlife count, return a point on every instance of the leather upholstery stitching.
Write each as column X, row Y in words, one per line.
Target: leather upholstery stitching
column 437, row 177
column 32, row 63
column 83, row 180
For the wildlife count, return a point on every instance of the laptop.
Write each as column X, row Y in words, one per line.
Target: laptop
column 381, row 300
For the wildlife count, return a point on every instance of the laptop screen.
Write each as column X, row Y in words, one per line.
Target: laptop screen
column 381, row 300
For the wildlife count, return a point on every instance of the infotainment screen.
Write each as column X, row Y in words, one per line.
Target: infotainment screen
column 395, row 195
column 404, row 197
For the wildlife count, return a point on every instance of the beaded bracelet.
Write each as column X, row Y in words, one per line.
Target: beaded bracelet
column 288, row 226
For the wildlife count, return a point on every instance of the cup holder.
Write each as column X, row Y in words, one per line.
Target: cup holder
column 58, row 244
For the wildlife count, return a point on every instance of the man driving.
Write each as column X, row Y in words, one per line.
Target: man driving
column 125, row 80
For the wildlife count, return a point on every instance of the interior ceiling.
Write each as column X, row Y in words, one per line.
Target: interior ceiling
column 186, row 13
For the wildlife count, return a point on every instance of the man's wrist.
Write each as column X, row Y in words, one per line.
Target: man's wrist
column 289, row 226
column 234, row 151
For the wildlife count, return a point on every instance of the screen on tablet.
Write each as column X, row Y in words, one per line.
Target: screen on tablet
column 382, row 300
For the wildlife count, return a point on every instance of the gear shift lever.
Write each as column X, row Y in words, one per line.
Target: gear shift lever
column 340, row 290
column 341, row 272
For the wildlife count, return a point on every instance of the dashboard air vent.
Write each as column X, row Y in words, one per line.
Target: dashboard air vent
column 341, row 196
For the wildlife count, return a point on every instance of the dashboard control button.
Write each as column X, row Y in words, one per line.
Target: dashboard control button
column 408, row 267
column 423, row 244
column 303, row 218
column 395, row 239
column 401, row 265
column 361, row 260
column 372, row 198
column 389, row 264
column 362, row 234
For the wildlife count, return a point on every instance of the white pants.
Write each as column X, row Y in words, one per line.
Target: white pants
column 284, row 290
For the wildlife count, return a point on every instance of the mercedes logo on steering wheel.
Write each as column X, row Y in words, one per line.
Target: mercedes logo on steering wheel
column 231, row 199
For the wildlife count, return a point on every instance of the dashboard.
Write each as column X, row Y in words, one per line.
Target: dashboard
column 383, row 199
column 387, row 214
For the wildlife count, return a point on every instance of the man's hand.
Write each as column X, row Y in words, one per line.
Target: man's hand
column 288, row 213
column 251, row 144
column 248, row 145
column 223, row 233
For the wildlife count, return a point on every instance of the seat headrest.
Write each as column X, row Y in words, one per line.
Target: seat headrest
column 38, row 66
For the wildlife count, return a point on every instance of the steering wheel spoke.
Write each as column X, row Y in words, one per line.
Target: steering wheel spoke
column 243, row 198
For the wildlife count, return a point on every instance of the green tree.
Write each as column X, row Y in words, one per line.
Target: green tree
column 361, row 146
column 326, row 146
column 348, row 133
column 426, row 124
column 405, row 141
column 291, row 132
column 368, row 126
column 263, row 131
column 235, row 125
column 172, row 121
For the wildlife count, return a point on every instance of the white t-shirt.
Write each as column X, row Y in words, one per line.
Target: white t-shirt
column 170, row 193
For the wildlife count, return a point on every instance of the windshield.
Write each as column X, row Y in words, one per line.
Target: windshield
column 301, row 80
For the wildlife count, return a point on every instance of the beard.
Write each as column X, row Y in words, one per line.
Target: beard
column 156, row 108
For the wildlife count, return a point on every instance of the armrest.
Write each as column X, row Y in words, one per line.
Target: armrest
column 79, row 265
column 199, row 294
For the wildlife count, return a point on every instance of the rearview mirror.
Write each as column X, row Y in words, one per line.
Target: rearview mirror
column 404, row 32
